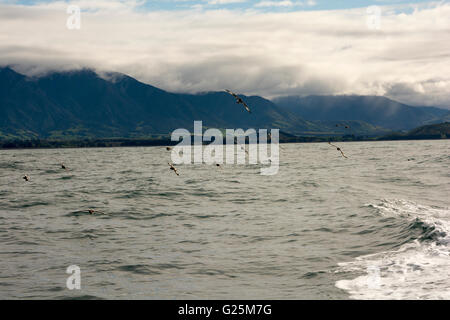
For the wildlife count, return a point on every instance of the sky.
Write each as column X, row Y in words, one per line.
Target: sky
column 400, row 49
column 261, row 5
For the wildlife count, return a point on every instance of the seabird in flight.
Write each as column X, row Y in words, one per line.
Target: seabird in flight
column 173, row 168
column 338, row 149
column 239, row 100
column 91, row 211
column 26, row 178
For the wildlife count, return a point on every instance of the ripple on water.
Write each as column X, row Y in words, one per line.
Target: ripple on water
column 249, row 235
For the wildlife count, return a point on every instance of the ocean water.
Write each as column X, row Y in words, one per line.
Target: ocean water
column 373, row 226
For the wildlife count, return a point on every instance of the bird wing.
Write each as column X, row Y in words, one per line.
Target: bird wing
column 231, row 92
column 246, row 107
column 343, row 154
column 332, row 144
column 174, row 169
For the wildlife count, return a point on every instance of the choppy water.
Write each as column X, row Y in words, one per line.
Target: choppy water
column 372, row 226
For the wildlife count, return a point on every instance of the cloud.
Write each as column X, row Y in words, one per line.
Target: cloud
column 252, row 52
column 433, row 91
column 225, row 1
column 90, row 5
column 285, row 3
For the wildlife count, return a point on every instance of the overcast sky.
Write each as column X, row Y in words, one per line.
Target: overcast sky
column 263, row 47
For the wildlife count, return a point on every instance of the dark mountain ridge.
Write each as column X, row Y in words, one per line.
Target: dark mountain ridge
column 375, row 110
column 81, row 103
column 84, row 104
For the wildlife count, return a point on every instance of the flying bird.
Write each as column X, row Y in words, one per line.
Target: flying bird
column 338, row 149
column 26, row 178
column 173, row 168
column 91, row 211
column 239, row 100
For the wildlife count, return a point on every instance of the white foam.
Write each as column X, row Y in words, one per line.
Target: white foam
column 418, row 270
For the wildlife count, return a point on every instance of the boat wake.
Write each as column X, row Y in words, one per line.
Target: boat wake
column 417, row 270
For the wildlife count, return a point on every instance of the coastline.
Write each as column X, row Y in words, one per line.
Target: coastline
column 149, row 142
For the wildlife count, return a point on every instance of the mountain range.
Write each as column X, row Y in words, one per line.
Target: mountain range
column 376, row 110
column 82, row 103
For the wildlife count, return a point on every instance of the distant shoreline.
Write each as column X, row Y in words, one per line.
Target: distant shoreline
column 129, row 142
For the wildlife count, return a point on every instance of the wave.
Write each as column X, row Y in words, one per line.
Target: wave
column 419, row 269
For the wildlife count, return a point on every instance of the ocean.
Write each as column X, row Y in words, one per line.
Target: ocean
column 373, row 226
